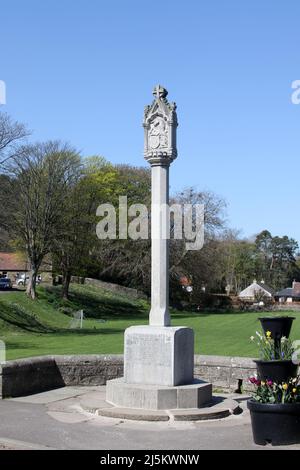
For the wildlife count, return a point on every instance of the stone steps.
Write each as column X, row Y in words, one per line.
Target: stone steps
column 219, row 408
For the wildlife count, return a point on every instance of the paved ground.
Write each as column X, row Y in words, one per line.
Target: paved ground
column 7, row 291
column 55, row 420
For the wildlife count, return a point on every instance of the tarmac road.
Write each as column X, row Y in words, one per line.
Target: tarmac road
column 55, row 420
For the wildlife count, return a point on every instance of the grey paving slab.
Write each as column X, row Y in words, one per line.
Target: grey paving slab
column 67, row 417
column 56, row 395
column 13, row 444
column 92, row 402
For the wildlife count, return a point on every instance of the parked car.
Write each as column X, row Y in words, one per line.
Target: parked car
column 22, row 277
column 5, row 283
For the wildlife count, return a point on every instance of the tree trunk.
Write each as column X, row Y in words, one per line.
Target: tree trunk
column 65, row 285
column 31, row 286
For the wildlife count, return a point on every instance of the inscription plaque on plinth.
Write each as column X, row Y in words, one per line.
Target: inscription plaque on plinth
column 156, row 355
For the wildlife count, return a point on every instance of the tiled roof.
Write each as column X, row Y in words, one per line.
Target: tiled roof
column 17, row 262
column 288, row 292
column 267, row 288
column 12, row 262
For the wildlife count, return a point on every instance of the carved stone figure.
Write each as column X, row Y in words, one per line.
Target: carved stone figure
column 158, row 133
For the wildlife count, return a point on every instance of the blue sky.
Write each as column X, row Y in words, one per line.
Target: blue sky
column 82, row 71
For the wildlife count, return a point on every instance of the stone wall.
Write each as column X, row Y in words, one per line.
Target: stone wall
column 288, row 307
column 228, row 373
column 27, row 376
column 37, row 374
column 90, row 369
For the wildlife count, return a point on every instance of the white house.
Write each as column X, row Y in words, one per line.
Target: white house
column 256, row 288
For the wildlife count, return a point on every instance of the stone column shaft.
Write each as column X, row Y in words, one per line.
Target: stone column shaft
column 159, row 313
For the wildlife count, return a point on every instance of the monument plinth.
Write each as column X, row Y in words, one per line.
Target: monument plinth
column 157, row 355
column 158, row 358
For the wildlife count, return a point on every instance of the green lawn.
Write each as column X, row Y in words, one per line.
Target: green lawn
column 43, row 326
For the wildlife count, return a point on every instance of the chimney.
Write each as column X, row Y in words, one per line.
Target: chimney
column 296, row 287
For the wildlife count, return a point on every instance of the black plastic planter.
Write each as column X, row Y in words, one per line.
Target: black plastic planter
column 278, row 424
column 279, row 326
column 277, row 371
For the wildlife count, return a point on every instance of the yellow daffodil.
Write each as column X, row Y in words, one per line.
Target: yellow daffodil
column 263, row 383
column 285, row 386
column 268, row 334
column 294, row 390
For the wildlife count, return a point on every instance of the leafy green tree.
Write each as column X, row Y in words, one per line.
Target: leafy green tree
column 126, row 261
column 276, row 258
column 75, row 241
column 238, row 259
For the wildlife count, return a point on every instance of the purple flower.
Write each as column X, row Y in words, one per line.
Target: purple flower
column 269, row 383
column 253, row 380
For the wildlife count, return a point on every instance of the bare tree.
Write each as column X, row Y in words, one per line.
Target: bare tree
column 128, row 261
column 11, row 135
column 214, row 209
column 41, row 179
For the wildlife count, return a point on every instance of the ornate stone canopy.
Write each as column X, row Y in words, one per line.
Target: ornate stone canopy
column 160, row 123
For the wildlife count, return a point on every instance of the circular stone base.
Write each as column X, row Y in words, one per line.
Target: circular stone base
column 158, row 397
column 218, row 408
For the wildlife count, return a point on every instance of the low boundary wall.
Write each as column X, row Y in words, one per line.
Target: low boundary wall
column 37, row 374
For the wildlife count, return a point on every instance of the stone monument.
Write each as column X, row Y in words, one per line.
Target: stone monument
column 159, row 358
